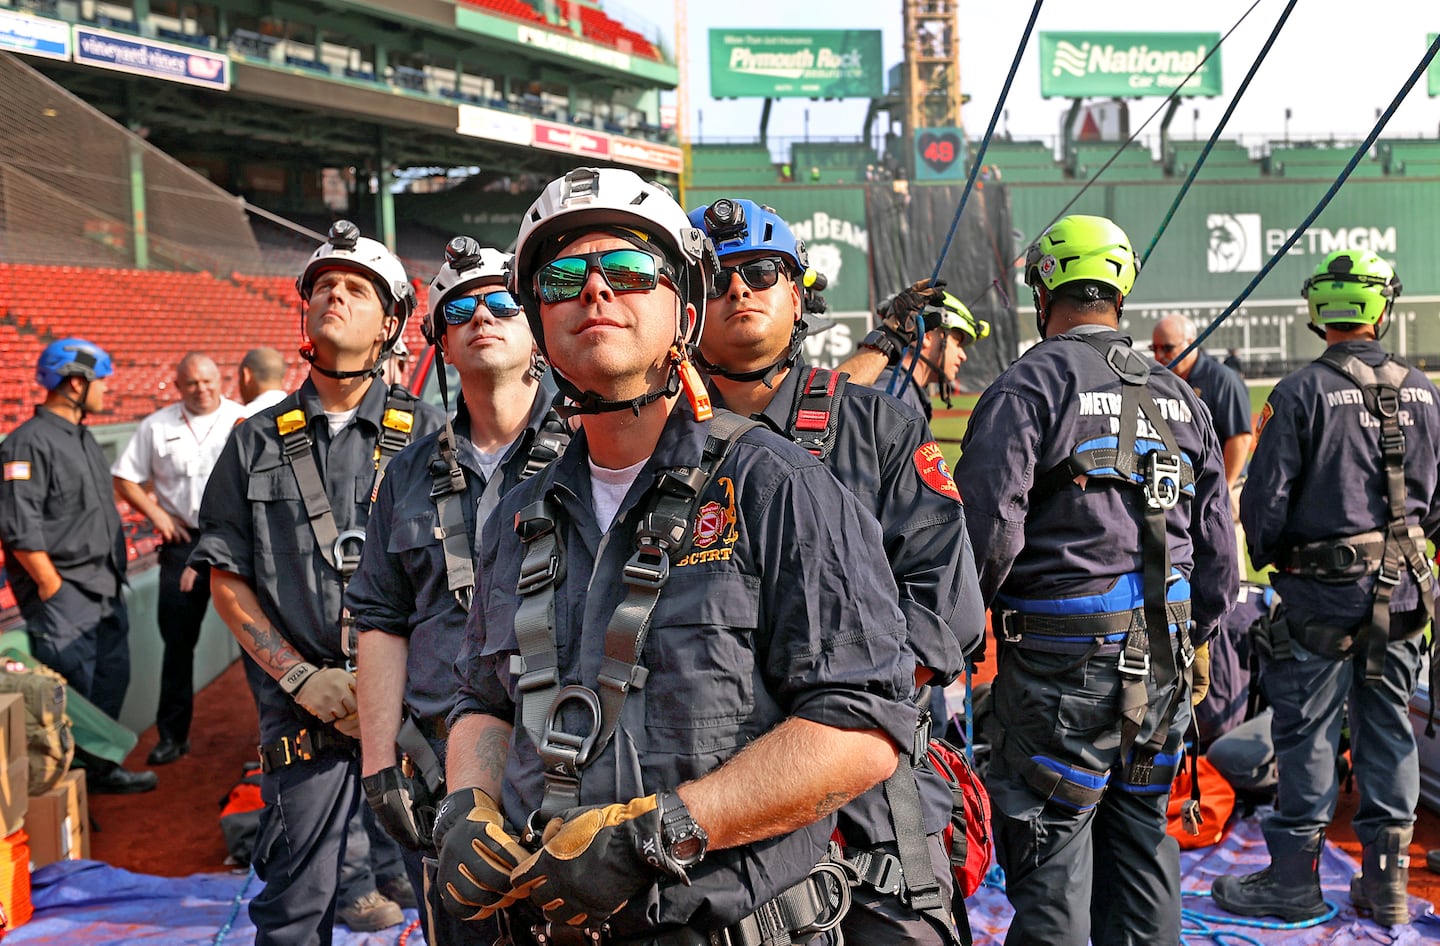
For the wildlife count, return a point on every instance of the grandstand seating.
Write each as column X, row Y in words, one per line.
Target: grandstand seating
column 147, row 321
column 595, row 24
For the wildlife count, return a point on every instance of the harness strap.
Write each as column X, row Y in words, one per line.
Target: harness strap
column 662, row 534
column 302, row 747
column 413, row 743
column 1380, row 387
column 815, row 413
column 341, row 550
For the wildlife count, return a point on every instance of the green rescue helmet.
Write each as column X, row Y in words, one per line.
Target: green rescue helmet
column 1351, row 286
column 1082, row 249
column 952, row 314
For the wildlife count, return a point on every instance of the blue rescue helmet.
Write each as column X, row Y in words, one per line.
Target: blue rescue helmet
column 71, row 357
column 736, row 225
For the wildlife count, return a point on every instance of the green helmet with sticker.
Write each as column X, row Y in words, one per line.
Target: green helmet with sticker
column 1082, row 249
column 951, row 313
column 1351, row 287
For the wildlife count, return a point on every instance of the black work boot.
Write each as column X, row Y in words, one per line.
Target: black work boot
column 1289, row 888
column 1380, row 887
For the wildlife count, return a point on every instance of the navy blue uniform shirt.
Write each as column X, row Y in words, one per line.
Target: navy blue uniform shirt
column 1318, row 474
column 56, row 497
column 401, row 586
column 1224, row 393
column 1079, row 541
column 253, row 524
column 885, row 455
column 782, row 611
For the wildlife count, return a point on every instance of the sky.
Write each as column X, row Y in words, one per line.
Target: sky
column 1333, row 65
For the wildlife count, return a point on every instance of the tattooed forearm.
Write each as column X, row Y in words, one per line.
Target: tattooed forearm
column 830, row 803
column 492, row 749
column 269, row 648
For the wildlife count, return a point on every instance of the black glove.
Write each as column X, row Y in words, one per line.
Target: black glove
column 477, row 855
column 594, row 860
column 402, row 806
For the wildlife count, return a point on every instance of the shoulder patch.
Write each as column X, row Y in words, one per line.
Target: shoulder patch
column 930, row 464
column 17, row 470
column 1266, row 413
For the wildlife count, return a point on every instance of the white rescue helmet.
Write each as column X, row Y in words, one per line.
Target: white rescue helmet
column 347, row 249
column 588, row 200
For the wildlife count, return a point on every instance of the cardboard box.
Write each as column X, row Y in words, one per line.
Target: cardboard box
column 14, row 781
column 12, row 725
column 58, row 822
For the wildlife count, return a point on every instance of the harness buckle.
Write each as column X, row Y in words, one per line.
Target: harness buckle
column 1132, row 669
column 349, row 538
column 649, row 567
column 1008, row 634
column 563, row 752
column 1162, row 479
column 536, row 575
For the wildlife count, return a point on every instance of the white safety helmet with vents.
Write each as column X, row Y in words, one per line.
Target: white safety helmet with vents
column 347, row 249
column 467, row 265
column 588, row 200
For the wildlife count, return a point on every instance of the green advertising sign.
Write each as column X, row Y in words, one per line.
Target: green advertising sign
column 795, row 63
column 1102, row 65
column 1434, row 67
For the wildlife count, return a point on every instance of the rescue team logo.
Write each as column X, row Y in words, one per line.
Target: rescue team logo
column 1266, row 413
column 930, row 464
column 714, row 522
column 17, row 470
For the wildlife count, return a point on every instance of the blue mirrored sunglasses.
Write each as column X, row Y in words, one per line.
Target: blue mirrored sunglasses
column 501, row 304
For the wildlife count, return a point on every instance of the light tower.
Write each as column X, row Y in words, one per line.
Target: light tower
column 932, row 74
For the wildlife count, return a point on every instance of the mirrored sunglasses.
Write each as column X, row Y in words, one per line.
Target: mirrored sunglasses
column 757, row 273
column 623, row 270
column 460, row 311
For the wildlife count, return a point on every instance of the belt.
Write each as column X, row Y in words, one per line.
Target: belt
column 303, row 747
column 1078, row 633
column 1350, row 557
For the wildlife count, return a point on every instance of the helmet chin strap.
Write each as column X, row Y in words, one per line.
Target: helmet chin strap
column 307, row 351
column 766, row 374
column 79, row 405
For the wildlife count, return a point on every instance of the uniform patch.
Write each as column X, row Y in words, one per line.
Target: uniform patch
column 17, row 470
column 709, row 523
column 1266, row 413
column 930, row 464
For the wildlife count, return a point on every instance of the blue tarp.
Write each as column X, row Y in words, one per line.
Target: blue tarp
column 92, row 903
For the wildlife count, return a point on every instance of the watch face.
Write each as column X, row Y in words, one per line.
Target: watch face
column 687, row 850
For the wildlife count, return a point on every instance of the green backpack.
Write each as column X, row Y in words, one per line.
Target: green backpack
column 50, row 743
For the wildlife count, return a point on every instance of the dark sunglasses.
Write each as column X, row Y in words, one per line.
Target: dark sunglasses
column 623, row 270
column 460, row 311
column 757, row 273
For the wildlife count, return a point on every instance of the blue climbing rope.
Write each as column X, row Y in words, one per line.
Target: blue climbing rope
column 1201, row 922
column 1215, row 135
column 1350, row 166
column 224, row 930
column 900, row 379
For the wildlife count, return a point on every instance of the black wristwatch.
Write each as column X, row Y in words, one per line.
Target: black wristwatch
column 883, row 342
column 685, row 841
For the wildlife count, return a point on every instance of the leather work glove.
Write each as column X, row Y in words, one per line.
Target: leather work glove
column 1200, row 674
column 477, row 855
column 900, row 312
column 328, row 694
column 397, row 800
column 594, row 860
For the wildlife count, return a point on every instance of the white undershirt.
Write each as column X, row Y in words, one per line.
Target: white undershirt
column 608, row 489
column 338, row 419
column 489, row 460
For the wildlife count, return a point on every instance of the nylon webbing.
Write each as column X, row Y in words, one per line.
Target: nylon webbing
column 1380, row 388
column 814, row 416
column 662, row 534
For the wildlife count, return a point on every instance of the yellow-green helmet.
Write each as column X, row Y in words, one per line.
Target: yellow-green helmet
column 951, row 313
column 1084, row 249
column 1351, row 286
